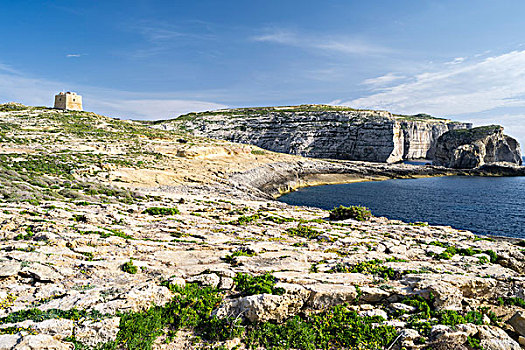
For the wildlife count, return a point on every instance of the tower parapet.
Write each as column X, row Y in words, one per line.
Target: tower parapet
column 68, row 100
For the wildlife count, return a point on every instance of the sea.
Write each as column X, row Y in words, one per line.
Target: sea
column 483, row 205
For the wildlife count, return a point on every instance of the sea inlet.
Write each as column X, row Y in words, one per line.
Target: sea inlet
column 483, row 205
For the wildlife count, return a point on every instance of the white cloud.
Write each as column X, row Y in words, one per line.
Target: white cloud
column 456, row 60
column 73, row 55
column 495, row 83
column 467, row 88
column 122, row 104
column 382, row 81
column 346, row 45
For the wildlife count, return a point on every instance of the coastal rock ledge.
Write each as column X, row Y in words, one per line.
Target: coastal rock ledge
column 472, row 148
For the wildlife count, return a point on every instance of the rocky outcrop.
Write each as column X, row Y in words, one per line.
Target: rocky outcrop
column 467, row 149
column 323, row 131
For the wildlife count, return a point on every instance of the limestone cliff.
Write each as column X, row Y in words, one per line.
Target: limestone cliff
column 472, row 148
column 323, row 131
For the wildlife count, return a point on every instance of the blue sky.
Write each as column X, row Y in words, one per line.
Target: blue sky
column 135, row 59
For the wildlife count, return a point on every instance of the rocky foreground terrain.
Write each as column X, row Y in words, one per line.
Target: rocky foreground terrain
column 119, row 236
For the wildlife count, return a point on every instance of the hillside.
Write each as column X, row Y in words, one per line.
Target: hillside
column 116, row 235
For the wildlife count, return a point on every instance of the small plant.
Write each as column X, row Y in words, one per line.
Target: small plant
column 243, row 220
column 231, row 258
column 250, row 285
column 512, row 301
column 80, row 218
column 303, row 231
column 354, row 212
column 371, row 267
column 129, row 267
column 278, row 219
column 161, row 211
column 474, row 343
column 419, row 223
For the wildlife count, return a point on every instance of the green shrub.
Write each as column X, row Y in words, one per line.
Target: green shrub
column 129, row 267
column 250, row 285
column 38, row 315
column 161, row 211
column 492, row 255
column 190, row 308
column 474, row 343
column 336, row 328
column 371, row 267
column 354, row 212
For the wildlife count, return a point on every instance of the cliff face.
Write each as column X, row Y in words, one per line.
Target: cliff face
column 464, row 149
column 376, row 136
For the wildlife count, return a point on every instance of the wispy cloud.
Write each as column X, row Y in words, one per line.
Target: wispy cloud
column 8, row 69
column 17, row 87
column 382, row 81
column 74, row 55
column 159, row 37
column 339, row 44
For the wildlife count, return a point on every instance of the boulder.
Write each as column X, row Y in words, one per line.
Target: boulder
column 518, row 322
column 495, row 338
column 40, row 342
column 94, row 332
column 472, row 148
column 266, row 307
column 325, row 295
column 41, row 273
column 9, row 268
column 261, row 307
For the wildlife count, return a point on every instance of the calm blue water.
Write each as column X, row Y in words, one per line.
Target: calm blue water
column 486, row 205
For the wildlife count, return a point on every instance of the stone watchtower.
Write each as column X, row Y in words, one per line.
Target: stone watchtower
column 68, row 100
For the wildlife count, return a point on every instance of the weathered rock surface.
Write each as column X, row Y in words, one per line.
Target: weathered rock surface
column 465, row 149
column 64, row 252
column 518, row 323
column 323, row 131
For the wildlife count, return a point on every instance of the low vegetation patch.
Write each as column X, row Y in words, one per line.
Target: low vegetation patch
column 371, row 267
column 427, row 316
column 303, row 231
column 161, row 211
column 251, row 285
column 38, row 315
column 129, row 267
column 512, row 302
column 232, row 258
column 336, row 328
column 451, row 250
column 278, row 219
column 354, row 212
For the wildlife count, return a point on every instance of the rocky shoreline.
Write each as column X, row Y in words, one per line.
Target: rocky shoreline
column 275, row 179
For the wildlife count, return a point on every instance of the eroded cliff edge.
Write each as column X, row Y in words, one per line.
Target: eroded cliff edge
column 475, row 147
column 320, row 131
